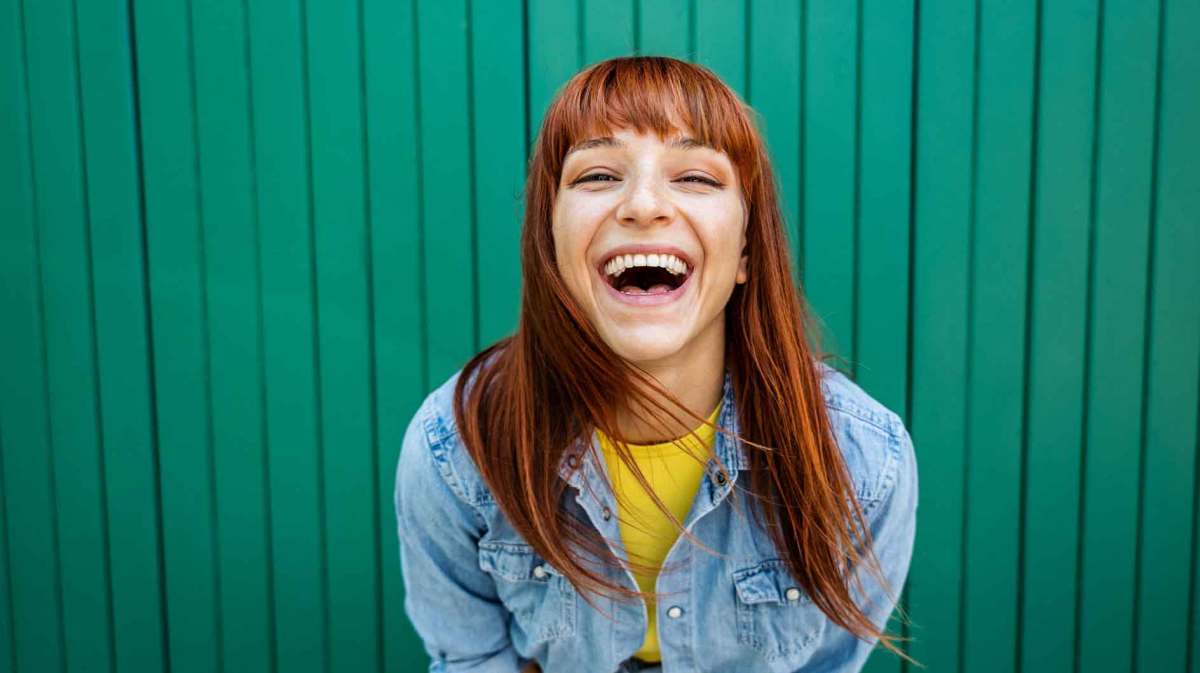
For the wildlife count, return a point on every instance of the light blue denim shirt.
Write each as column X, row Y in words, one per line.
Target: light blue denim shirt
column 482, row 600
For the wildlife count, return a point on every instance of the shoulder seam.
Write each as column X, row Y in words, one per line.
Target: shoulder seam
column 835, row 401
column 439, row 454
column 890, row 475
column 884, row 420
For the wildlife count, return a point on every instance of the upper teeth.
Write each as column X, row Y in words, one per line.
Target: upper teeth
column 667, row 261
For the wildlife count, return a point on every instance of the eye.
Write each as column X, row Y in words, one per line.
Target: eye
column 703, row 179
column 605, row 177
column 588, row 178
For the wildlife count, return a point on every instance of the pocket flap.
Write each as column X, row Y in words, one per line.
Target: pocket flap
column 513, row 562
column 766, row 582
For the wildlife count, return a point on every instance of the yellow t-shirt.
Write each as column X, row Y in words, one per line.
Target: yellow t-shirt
column 647, row 534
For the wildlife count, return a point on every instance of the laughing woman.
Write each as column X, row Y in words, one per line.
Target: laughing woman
column 656, row 471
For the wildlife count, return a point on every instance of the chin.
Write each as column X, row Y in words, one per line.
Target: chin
column 642, row 348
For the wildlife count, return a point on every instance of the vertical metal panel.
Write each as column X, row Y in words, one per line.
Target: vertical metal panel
column 447, row 164
column 1168, row 510
column 279, row 89
column 666, row 27
column 226, row 178
column 498, row 134
column 109, row 101
column 33, row 576
column 555, row 53
column 1057, row 333
column 883, row 187
column 181, row 333
column 1166, row 536
column 607, row 30
column 775, row 89
column 60, row 185
column 344, row 330
column 996, row 341
column 996, row 379
column 885, row 148
column 1168, row 517
column 721, row 43
column 944, row 181
column 1122, row 192
column 8, row 654
column 829, row 179
column 393, row 182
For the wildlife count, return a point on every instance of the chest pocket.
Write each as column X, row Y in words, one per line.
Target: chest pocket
column 541, row 600
column 775, row 616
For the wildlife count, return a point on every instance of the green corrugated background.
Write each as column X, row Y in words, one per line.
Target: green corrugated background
column 239, row 241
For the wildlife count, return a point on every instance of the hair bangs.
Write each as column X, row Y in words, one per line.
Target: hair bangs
column 659, row 95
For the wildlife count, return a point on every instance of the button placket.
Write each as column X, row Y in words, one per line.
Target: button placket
column 598, row 503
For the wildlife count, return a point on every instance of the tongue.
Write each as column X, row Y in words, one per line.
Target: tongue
column 657, row 289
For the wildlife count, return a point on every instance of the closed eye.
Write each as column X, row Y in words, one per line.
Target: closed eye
column 588, row 178
column 703, row 179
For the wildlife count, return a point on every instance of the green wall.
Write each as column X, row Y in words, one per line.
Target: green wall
column 239, row 242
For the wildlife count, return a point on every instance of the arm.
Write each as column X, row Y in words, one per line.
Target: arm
column 893, row 529
column 450, row 601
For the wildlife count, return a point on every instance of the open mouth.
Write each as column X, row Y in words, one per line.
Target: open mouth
column 646, row 274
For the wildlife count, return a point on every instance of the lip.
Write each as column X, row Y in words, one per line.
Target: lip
column 647, row 299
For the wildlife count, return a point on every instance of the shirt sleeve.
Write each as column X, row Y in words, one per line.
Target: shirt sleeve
column 450, row 601
column 893, row 523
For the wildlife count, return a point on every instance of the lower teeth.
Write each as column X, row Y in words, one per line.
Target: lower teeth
column 661, row 288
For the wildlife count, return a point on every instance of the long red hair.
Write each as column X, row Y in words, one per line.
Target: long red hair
column 524, row 400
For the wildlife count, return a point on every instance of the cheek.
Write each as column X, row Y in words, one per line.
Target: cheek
column 560, row 229
column 572, row 229
column 570, row 254
column 579, row 214
column 723, row 241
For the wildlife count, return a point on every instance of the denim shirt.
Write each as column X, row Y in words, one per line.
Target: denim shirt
column 481, row 599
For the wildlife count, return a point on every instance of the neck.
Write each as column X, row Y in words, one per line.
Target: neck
column 694, row 375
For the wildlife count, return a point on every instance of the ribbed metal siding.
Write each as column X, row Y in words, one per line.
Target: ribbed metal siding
column 239, row 241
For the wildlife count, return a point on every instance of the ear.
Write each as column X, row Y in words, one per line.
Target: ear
column 743, row 272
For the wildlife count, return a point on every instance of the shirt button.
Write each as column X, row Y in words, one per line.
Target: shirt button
column 607, row 514
column 721, row 478
column 539, row 572
column 675, row 612
column 793, row 594
column 573, row 460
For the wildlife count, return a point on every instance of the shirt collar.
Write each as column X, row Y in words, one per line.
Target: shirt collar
column 731, row 452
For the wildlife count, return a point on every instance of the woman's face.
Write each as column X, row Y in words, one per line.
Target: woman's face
column 649, row 237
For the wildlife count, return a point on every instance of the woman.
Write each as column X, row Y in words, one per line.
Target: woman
column 656, row 471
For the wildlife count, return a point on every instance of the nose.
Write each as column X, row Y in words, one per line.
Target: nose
column 646, row 203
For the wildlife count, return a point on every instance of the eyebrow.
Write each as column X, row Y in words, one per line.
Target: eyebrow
column 685, row 143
